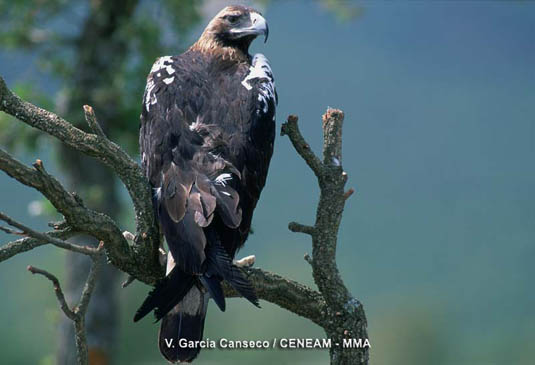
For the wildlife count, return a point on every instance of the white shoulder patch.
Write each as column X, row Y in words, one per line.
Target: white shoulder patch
column 150, row 98
column 260, row 69
column 162, row 64
column 169, row 80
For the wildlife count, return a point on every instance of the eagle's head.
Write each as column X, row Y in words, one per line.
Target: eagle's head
column 233, row 27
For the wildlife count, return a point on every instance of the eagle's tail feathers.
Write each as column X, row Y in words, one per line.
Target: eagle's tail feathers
column 243, row 286
column 166, row 294
column 213, row 285
column 222, row 263
column 184, row 322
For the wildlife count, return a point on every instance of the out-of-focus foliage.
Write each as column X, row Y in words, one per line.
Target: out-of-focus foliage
column 50, row 29
column 15, row 134
column 342, row 10
column 25, row 23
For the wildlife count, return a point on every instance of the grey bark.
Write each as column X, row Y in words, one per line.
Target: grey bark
column 332, row 307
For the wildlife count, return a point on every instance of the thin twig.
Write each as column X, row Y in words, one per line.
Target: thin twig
column 93, row 122
column 291, row 129
column 348, row 193
column 90, row 283
column 127, row 169
column 86, row 250
column 308, row 259
column 135, row 260
column 77, row 315
column 57, row 289
column 11, row 231
column 28, row 243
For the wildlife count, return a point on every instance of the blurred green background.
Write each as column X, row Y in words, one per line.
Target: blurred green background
column 437, row 242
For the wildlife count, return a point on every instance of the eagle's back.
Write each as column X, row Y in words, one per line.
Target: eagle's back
column 206, row 137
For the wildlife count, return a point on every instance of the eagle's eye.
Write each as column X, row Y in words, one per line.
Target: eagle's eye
column 231, row 18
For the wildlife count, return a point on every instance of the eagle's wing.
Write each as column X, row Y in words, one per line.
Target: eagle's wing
column 206, row 141
column 178, row 155
column 251, row 140
column 263, row 100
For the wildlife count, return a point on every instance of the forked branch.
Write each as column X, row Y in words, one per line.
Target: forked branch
column 77, row 314
column 332, row 307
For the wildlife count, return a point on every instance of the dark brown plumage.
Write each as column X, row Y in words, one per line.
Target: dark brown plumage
column 206, row 139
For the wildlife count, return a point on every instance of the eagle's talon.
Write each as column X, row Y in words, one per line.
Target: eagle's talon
column 162, row 256
column 247, row 261
column 129, row 236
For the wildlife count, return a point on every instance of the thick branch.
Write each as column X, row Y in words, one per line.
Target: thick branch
column 81, row 218
column 147, row 238
column 40, row 180
column 285, row 293
column 348, row 320
column 332, row 307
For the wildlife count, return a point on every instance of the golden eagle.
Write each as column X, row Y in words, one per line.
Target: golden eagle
column 206, row 140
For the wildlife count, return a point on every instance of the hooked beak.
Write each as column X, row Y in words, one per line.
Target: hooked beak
column 257, row 27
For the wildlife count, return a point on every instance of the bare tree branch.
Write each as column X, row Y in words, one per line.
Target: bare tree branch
column 83, row 219
column 291, row 129
column 285, row 293
column 25, row 244
column 301, row 228
column 147, row 238
column 348, row 193
column 77, row 315
column 90, row 283
column 45, row 238
column 57, row 290
column 346, row 318
column 332, row 307
column 92, row 121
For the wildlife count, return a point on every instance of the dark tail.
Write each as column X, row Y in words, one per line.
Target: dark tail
column 166, row 294
column 184, row 323
column 181, row 303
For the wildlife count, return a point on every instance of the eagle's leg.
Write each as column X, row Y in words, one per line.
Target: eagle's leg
column 247, row 261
